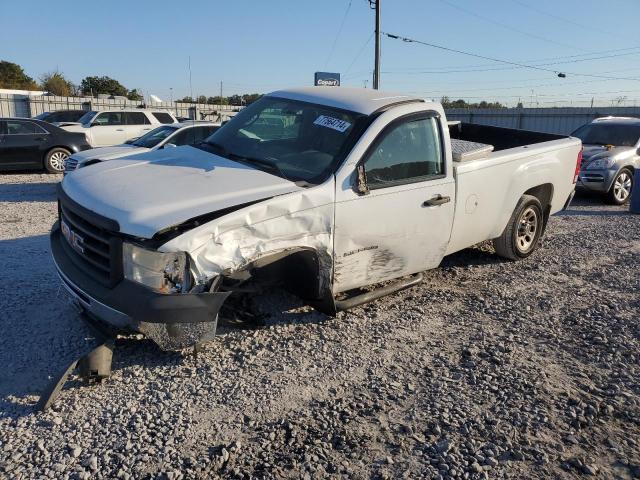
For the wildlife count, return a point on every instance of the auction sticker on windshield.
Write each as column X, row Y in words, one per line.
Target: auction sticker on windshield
column 333, row 123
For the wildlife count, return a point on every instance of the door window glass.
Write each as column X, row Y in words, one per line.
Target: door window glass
column 407, row 153
column 16, row 127
column 109, row 118
column 136, row 118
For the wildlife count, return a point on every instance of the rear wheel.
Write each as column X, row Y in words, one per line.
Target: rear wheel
column 620, row 191
column 522, row 234
column 55, row 158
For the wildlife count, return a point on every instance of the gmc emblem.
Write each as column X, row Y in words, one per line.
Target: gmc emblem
column 75, row 240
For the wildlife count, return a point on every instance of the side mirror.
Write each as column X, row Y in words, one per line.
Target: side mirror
column 169, row 145
column 361, row 180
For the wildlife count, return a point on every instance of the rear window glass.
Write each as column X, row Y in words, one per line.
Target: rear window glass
column 163, row 117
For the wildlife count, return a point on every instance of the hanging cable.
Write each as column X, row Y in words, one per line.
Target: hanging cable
column 507, row 62
column 335, row 41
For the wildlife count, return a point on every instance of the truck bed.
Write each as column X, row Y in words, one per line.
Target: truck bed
column 499, row 138
column 495, row 166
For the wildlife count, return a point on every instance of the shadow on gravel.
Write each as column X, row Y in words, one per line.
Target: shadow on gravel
column 593, row 213
column 28, row 192
column 471, row 256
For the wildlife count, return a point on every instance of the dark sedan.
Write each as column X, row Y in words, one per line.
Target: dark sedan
column 61, row 116
column 28, row 143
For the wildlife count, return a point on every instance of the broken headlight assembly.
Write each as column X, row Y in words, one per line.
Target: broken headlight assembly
column 164, row 272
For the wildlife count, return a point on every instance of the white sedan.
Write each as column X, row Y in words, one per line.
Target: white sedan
column 165, row 136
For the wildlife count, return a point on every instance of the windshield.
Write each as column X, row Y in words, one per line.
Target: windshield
column 608, row 134
column 42, row 116
column 154, row 137
column 291, row 139
column 86, row 118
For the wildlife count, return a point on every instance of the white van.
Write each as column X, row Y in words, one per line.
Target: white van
column 114, row 127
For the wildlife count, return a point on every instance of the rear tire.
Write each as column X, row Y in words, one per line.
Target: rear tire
column 621, row 189
column 522, row 234
column 55, row 159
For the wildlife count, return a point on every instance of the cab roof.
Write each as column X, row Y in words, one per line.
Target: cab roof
column 359, row 100
column 618, row 120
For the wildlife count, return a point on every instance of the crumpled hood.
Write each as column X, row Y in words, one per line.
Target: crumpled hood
column 593, row 152
column 108, row 153
column 163, row 188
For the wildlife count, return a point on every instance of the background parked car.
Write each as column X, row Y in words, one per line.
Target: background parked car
column 113, row 127
column 61, row 116
column 175, row 134
column 28, row 143
column 610, row 157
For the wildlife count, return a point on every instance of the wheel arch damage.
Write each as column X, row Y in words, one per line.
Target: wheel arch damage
column 288, row 239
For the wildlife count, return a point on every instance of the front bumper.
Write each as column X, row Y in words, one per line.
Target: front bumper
column 173, row 321
column 596, row 180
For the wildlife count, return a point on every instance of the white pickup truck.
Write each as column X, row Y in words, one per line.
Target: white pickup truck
column 324, row 190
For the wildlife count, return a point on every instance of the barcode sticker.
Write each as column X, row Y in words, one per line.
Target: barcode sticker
column 333, row 123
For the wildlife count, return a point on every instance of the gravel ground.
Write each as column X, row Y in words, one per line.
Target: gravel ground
column 488, row 369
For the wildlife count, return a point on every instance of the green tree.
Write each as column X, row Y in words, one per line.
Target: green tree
column 12, row 76
column 57, row 84
column 202, row 99
column 135, row 95
column 106, row 85
column 185, row 100
column 217, row 100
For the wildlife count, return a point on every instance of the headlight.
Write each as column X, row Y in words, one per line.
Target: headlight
column 601, row 164
column 162, row 272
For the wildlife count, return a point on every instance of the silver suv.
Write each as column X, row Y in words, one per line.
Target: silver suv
column 610, row 157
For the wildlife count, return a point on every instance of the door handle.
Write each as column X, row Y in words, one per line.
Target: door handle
column 120, row 130
column 437, row 200
column 146, row 129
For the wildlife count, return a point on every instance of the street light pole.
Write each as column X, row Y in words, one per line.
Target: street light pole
column 376, row 71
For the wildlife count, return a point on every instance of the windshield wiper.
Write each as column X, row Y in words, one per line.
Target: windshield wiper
column 265, row 162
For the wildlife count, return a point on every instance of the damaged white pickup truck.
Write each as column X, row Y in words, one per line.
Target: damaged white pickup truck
column 323, row 190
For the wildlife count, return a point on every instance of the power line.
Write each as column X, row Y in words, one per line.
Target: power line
column 507, row 62
column 509, row 68
column 508, row 27
column 600, row 52
column 355, row 59
column 335, row 41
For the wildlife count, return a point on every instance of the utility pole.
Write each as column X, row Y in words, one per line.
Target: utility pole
column 220, row 92
column 376, row 71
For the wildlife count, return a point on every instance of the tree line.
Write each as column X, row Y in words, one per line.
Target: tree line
column 12, row 76
column 448, row 103
column 235, row 100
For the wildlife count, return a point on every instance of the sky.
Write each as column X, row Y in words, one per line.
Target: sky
column 260, row 46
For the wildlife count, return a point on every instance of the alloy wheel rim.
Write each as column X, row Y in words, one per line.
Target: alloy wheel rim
column 56, row 160
column 527, row 229
column 622, row 187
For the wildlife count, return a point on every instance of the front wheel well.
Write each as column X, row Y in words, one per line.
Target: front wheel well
column 299, row 270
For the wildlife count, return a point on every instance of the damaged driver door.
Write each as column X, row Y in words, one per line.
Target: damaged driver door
column 397, row 219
